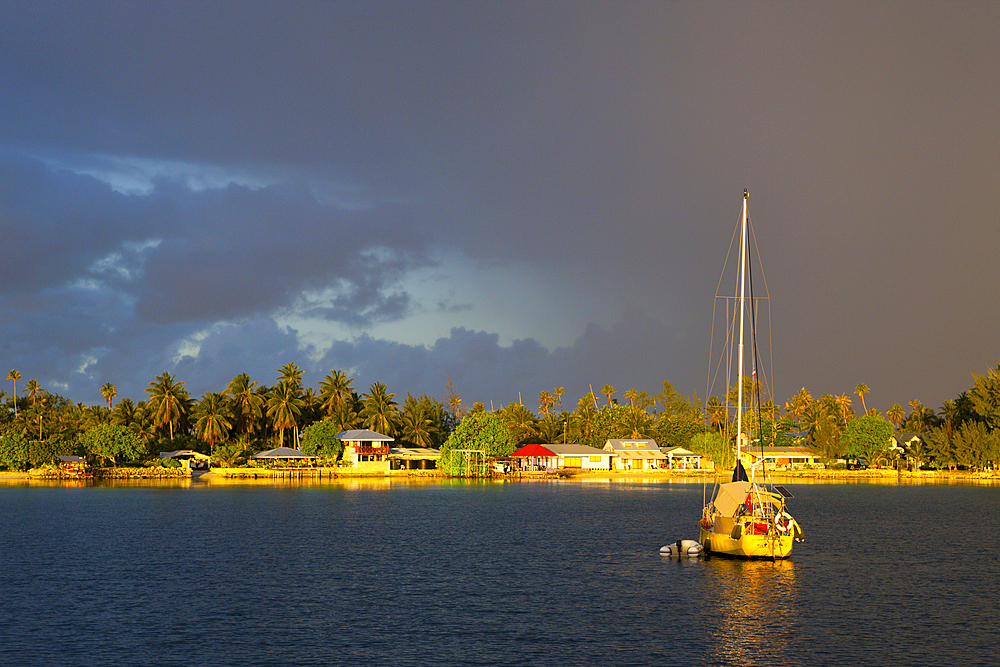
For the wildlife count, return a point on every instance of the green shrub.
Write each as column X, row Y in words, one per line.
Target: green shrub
column 320, row 439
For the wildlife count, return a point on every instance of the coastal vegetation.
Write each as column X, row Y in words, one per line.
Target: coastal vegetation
column 246, row 417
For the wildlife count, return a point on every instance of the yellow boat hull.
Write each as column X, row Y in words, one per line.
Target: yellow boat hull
column 746, row 546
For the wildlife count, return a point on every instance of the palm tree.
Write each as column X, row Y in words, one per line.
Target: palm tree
column 861, row 390
column 248, row 405
column 291, row 374
column 551, row 428
column 632, row 396
column 36, row 412
column 545, row 403
column 126, row 413
column 143, row 423
column 14, row 376
column 454, row 401
column 214, row 414
column 637, row 423
column 416, row 425
column 796, row 408
column 521, row 421
column 718, row 414
column 334, row 389
column 844, row 407
column 896, row 415
column 609, row 391
column 917, row 452
column 379, row 410
column 283, row 407
column 814, row 418
column 33, row 390
column 918, row 416
column 949, row 410
column 345, row 416
column 108, row 391
column 584, row 417
column 168, row 400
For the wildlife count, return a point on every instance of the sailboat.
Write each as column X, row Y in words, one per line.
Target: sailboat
column 747, row 518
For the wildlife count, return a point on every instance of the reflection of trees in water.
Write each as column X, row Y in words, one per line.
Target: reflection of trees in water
column 751, row 611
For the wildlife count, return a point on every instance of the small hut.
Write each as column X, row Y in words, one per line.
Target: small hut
column 283, row 456
column 534, row 457
column 189, row 459
column 413, row 458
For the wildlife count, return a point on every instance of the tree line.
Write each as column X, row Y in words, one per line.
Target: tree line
column 247, row 417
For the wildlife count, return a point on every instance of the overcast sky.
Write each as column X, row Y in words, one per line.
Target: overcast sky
column 517, row 195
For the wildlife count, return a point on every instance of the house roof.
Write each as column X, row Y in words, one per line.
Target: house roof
column 533, row 450
column 71, row 459
column 414, row 453
column 577, row 450
column 282, row 453
column 641, row 454
column 183, row 453
column 771, row 451
column 633, row 443
column 678, row 451
column 363, row 435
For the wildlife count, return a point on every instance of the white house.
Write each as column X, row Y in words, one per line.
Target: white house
column 364, row 446
column 636, row 454
column 679, row 458
column 581, row 457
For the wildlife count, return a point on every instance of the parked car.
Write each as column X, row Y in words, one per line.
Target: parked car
column 856, row 463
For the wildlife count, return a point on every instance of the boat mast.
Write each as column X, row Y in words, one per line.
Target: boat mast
column 739, row 386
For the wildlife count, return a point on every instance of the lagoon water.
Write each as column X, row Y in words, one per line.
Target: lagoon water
column 470, row 573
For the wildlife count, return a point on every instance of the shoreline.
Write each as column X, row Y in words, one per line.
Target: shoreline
column 331, row 474
column 784, row 475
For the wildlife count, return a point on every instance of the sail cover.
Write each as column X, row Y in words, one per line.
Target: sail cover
column 730, row 497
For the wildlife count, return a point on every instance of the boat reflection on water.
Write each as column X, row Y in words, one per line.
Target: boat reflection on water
column 752, row 605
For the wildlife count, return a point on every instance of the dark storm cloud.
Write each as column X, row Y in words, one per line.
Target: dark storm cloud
column 239, row 252
column 217, row 253
column 607, row 139
column 482, row 369
column 253, row 347
column 57, row 224
column 82, row 290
